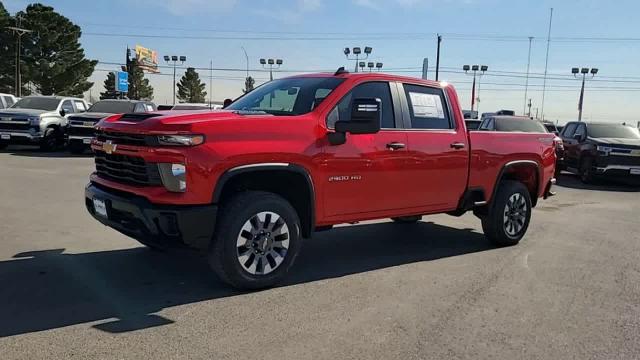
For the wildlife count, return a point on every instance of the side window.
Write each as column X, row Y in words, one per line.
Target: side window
column 487, row 125
column 139, row 108
column 569, row 130
column 581, row 130
column 148, row 107
column 80, row 106
column 378, row 90
column 427, row 108
column 8, row 100
column 67, row 107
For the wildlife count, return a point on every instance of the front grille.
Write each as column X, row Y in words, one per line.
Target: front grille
column 622, row 160
column 127, row 169
column 80, row 131
column 15, row 126
column 120, row 138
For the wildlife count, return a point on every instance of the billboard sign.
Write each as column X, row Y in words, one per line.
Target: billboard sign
column 122, row 82
column 147, row 59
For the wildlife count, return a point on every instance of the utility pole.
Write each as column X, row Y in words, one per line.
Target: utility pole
column 438, row 58
column 546, row 63
column 18, row 31
column 526, row 84
column 425, row 68
column 210, row 84
column 584, row 72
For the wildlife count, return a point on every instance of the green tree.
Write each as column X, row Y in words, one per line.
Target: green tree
column 109, row 87
column 7, row 53
column 139, row 88
column 190, row 88
column 54, row 60
column 248, row 84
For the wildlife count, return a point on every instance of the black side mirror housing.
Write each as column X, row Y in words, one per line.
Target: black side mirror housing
column 62, row 112
column 578, row 137
column 366, row 116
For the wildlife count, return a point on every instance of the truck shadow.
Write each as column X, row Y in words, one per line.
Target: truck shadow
column 33, row 151
column 122, row 289
column 571, row 181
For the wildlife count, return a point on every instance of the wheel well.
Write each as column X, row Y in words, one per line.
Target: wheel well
column 294, row 186
column 526, row 173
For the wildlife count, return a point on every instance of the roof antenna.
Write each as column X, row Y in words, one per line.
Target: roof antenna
column 340, row 71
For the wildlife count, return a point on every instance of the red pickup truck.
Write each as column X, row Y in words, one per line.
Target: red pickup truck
column 301, row 154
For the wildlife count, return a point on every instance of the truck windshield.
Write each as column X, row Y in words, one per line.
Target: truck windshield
column 38, row 103
column 112, row 107
column 292, row 96
column 612, row 131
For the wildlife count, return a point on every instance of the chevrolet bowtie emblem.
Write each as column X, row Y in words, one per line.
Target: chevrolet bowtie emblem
column 109, row 147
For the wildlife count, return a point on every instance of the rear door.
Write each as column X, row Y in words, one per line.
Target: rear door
column 367, row 173
column 438, row 163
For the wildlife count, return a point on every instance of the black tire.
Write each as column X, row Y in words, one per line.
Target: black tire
column 49, row 140
column 503, row 225
column 76, row 147
column 407, row 219
column 586, row 170
column 225, row 253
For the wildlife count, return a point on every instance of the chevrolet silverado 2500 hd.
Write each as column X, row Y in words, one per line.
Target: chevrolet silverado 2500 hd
column 249, row 183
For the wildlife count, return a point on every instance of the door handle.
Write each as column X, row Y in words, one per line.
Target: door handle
column 458, row 145
column 395, row 146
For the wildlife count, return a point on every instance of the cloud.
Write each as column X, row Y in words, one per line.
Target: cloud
column 291, row 15
column 185, row 7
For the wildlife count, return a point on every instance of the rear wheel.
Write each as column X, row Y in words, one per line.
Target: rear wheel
column 407, row 219
column 257, row 240
column 586, row 170
column 509, row 215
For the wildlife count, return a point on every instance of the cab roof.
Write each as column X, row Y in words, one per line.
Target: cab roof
column 372, row 76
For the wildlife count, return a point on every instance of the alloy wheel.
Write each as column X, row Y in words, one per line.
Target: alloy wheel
column 515, row 214
column 262, row 243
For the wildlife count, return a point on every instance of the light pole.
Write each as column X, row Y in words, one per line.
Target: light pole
column 357, row 52
column 175, row 59
column 584, row 72
column 270, row 64
column 526, row 84
column 475, row 69
column 379, row 66
column 19, row 32
column 247, row 58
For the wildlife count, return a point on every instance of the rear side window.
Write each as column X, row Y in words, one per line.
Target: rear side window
column 487, row 124
column 8, row 100
column 80, row 106
column 139, row 108
column 427, row 107
column 378, row 90
column 519, row 125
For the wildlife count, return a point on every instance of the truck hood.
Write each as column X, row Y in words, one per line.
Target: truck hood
column 89, row 116
column 616, row 142
column 27, row 112
column 169, row 121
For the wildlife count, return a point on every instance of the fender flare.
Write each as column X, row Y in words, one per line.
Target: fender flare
column 506, row 166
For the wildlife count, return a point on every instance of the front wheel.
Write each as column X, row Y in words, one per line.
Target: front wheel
column 49, row 140
column 586, row 170
column 509, row 215
column 257, row 240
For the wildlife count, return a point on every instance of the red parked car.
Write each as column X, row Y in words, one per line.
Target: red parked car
column 249, row 183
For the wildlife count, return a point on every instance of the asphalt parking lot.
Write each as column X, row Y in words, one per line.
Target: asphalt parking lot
column 72, row 288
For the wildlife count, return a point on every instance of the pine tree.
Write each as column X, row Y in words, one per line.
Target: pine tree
column 248, row 84
column 139, row 88
column 7, row 53
column 190, row 88
column 109, row 87
column 54, row 61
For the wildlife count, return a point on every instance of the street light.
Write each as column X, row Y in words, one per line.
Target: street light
column 175, row 59
column 584, row 71
column 271, row 65
column 357, row 51
column 379, row 66
column 475, row 69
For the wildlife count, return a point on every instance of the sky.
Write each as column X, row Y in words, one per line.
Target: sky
column 310, row 35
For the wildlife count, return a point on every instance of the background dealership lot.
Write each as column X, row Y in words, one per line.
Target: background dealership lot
column 76, row 288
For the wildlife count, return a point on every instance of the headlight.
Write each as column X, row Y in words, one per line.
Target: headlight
column 174, row 176
column 180, row 140
column 604, row 149
column 34, row 120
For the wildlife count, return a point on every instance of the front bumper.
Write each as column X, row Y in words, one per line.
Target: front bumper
column 20, row 137
column 619, row 171
column 156, row 225
column 86, row 140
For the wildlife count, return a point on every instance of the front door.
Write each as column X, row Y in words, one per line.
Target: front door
column 367, row 173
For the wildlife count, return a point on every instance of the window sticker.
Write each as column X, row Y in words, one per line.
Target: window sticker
column 426, row 105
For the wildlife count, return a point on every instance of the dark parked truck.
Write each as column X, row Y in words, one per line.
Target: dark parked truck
column 38, row 120
column 81, row 127
column 601, row 150
column 248, row 184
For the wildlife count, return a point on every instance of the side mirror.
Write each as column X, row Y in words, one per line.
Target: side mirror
column 366, row 116
column 62, row 112
column 578, row 137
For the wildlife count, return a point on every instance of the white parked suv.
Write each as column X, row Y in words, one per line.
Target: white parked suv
column 6, row 100
column 39, row 120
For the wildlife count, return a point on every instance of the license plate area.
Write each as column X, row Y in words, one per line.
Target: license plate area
column 86, row 141
column 5, row 136
column 100, row 208
column 635, row 171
